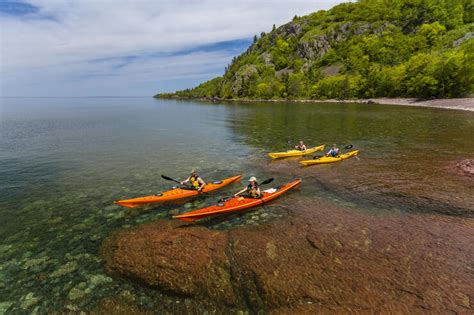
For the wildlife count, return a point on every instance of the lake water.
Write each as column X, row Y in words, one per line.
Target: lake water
column 63, row 161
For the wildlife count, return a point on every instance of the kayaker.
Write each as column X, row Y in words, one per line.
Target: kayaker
column 334, row 151
column 301, row 146
column 195, row 181
column 252, row 189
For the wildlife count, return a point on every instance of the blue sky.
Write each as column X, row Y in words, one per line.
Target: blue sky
column 128, row 48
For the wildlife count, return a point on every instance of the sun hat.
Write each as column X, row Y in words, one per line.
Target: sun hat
column 252, row 179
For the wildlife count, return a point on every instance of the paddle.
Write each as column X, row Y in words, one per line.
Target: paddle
column 185, row 185
column 171, row 179
column 347, row 147
column 267, row 181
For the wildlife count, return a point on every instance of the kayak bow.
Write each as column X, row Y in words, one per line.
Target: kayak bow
column 237, row 203
column 292, row 153
column 330, row 159
column 176, row 193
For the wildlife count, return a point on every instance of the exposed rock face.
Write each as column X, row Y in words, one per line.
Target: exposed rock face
column 324, row 260
column 319, row 45
column 463, row 39
column 466, row 167
column 243, row 76
column 267, row 58
column 315, row 48
column 290, row 29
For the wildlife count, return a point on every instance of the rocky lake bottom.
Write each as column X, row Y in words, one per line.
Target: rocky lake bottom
column 389, row 231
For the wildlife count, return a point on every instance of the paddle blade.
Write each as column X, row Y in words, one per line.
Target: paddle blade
column 167, row 178
column 267, row 181
column 349, row 146
column 171, row 179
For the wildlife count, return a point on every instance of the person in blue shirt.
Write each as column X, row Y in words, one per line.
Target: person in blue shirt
column 334, row 151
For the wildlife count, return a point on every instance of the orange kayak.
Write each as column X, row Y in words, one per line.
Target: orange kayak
column 176, row 193
column 237, row 203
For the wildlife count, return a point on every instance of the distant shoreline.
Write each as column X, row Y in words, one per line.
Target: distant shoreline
column 466, row 104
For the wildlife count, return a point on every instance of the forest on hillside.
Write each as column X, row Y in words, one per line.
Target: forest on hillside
column 369, row 48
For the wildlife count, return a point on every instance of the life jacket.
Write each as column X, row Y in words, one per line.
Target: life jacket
column 194, row 181
column 301, row 147
column 334, row 152
column 253, row 191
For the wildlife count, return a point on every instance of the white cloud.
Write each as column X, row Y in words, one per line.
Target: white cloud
column 54, row 55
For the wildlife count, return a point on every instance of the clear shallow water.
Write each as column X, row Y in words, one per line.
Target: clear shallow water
column 63, row 161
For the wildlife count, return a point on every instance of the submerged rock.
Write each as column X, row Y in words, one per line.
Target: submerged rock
column 180, row 261
column 321, row 261
column 76, row 294
column 466, row 167
column 65, row 269
column 36, row 261
column 96, row 280
column 4, row 306
column 28, row 301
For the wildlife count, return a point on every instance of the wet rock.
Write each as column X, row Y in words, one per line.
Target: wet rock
column 271, row 250
column 28, row 301
column 119, row 307
column 4, row 306
column 36, row 261
column 324, row 260
column 96, row 280
column 76, row 294
column 55, row 220
column 110, row 208
column 72, row 308
column 80, row 226
column 182, row 261
column 65, row 269
column 127, row 295
column 115, row 215
column 465, row 300
column 466, row 167
column 5, row 248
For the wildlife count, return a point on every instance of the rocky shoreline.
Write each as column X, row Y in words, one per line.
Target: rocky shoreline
column 466, row 104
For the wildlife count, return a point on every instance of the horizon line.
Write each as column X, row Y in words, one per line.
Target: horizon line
column 88, row 96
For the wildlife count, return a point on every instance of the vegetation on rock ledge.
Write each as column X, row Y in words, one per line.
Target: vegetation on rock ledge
column 372, row 48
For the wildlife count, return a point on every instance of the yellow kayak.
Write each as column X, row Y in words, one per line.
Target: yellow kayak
column 292, row 153
column 330, row 159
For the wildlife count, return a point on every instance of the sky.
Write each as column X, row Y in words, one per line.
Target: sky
column 129, row 48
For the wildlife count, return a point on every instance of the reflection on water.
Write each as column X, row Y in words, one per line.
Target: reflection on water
column 405, row 152
column 63, row 162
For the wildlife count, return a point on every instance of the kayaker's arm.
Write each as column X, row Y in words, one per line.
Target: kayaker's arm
column 202, row 184
column 184, row 182
column 240, row 192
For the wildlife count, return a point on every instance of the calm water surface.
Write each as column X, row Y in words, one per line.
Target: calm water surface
column 64, row 160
